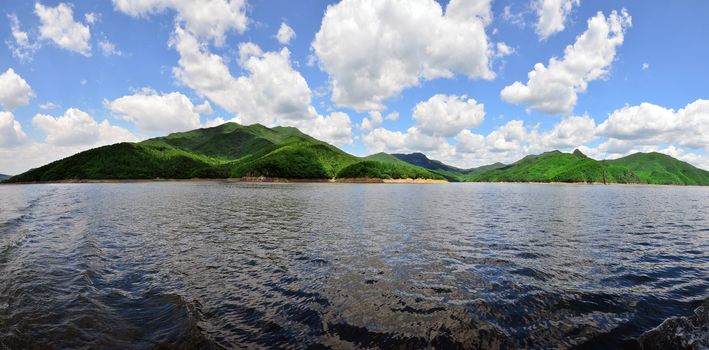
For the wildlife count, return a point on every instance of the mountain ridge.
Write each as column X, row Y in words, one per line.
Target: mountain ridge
column 232, row 150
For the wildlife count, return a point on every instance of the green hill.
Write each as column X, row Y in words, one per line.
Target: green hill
column 555, row 166
column 450, row 173
column 658, row 168
column 226, row 151
column 233, row 151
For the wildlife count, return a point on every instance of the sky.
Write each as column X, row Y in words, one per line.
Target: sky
column 465, row 82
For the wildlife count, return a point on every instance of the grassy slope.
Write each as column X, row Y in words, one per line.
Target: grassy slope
column 228, row 150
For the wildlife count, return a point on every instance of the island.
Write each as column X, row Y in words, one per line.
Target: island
column 258, row 153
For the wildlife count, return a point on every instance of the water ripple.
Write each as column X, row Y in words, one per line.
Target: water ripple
column 219, row 265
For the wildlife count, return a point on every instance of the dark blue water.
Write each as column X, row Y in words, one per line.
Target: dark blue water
column 228, row 265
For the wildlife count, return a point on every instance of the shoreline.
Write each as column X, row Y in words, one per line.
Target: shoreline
column 263, row 179
column 247, row 179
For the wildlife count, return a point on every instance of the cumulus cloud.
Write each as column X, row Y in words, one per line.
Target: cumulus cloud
column 553, row 89
column 413, row 140
column 507, row 143
column 373, row 49
column 209, row 19
column 67, row 134
column 649, row 124
column 150, row 111
column 570, row 132
column 77, row 128
column 335, row 128
column 21, row 47
column 443, row 115
column 271, row 92
column 14, row 91
column 205, row 108
column 552, row 15
column 375, row 119
column 285, row 34
column 11, row 133
column 57, row 24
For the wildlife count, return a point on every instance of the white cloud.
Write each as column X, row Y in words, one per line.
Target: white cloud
column 21, row 47
column 208, row 19
column 73, row 132
column 384, row 140
column 219, row 121
column 508, row 143
column 14, row 91
column 514, row 18
column 503, row 50
column 91, row 18
column 443, row 115
column 552, row 15
column 150, row 111
column 78, row 128
column 646, row 66
column 271, row 92
column 369, row 123
column 57, row 24
column 48, row 105
column 336, row 128
column 108, row 48
column 554, row 89
column 570, row 132
column 11, row 133
column 205, row 108
column 285, row 34
column 375, row 119
column 649, row 124
column 373, row 49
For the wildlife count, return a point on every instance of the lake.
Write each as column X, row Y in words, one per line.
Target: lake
column 224, row 265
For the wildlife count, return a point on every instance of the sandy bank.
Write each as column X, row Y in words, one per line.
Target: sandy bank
column 389, row 181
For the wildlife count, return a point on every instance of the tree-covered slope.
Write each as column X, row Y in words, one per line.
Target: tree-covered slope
column 384, row 166
column 232, row 150
column 552, row 166
column 450, row 173
column 4, row 177
column 658, row 168
column 228, row 150
column 423, row 161
column 555, row 166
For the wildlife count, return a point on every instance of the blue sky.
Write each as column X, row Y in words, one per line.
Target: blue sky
column 98, row 72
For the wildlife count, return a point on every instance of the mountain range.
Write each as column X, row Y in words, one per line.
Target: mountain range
column 237, row 151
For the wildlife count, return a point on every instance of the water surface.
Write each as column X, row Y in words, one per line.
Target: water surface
column 229, row 265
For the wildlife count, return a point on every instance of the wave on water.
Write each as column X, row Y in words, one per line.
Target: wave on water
column 691, row 332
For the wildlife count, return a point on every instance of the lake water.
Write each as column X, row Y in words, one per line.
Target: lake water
column 211, row 265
